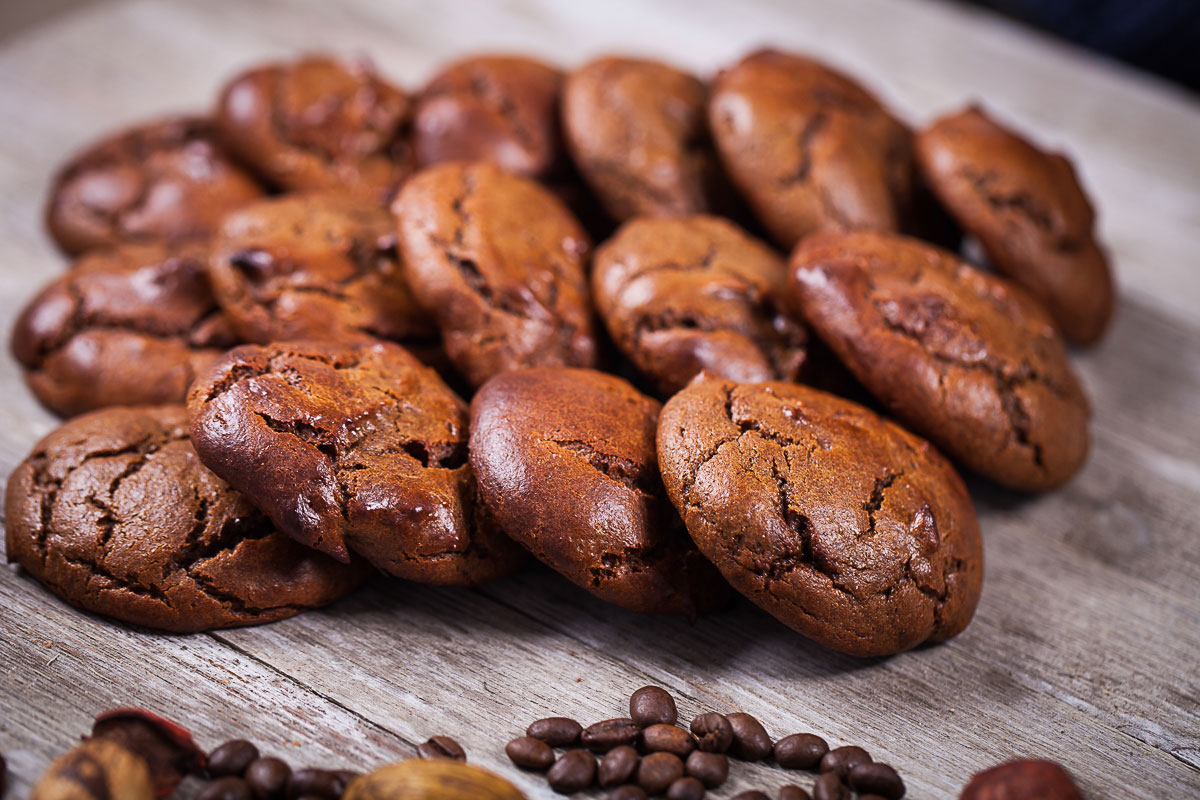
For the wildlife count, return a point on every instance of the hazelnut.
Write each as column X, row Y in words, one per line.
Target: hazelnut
column 432, row 779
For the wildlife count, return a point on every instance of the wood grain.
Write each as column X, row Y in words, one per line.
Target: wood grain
column 1086, row 643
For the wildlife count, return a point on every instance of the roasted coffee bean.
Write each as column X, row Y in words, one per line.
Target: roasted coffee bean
column 879, row 779
column 651, row 705
column 841, row 760
column 231, row 758
column 442, row 747
column 711, row 768
column 610, row 733
column 628, row 792
column 226, row 788
column 555, row 731
column 618, row 766
column 268, row 778
column 751, row 794
column 686, row 789
column 530, row 753
column 668, row 739
column 315, row 782
column 657, row 771
column 830, row 787
column 794, row 792
column 3, row 775
column 800, row 751
column 573, row 772
column 871, row 797
column 713, row 732
column 750, row 739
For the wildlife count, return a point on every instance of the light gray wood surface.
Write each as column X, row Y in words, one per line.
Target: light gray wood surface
column 1086, row 645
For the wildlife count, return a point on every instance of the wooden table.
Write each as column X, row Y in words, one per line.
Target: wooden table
column 1086, row 645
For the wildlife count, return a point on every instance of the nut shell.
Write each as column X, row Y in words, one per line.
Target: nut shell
column 437, row 779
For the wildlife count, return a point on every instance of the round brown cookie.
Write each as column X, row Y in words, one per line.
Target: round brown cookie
column 498, row 261
column 566, row 464
column 126, row 326
column 809, row 148
column 115, row 514
column 842, row 525
column 320, row 123
column 1028, row 211
column 962, row 357
column 682, row 295
column 167, row 179
column 314, row 266
column 351, row 447
column 502, row 109
column 637, row 131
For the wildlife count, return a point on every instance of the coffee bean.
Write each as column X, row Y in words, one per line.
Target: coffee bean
column 555, row 731
column 841, row 760
column 878, row 779
column 574, row 771
column 751, row 794
column 610, row 733
column 794, row 792
column 668, row 739
column 629, row 792
column 651, row 705
column 618, row 766
column 441, row 747
column 657, row 771
column 829, row 787
column 267, row 778
column 686, row 789
column 227, row 788
column 231, row 758
column 871, row 797
column 530, row 753
column 800, row 751
column 713, row 732
column 711, row 768
column 750, row 739
column 316, row 782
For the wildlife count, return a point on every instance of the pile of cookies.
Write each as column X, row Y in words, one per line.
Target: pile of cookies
column 334, row 329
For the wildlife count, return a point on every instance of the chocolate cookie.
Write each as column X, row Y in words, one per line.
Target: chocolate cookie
column 697, row 293
column 962, row 357
column 637, row 131
column 114, row 513
column 842, row 525
column 502, row 109
column 320, row 123
column 498, row 261
column 351, row 447
column 320, row 266
column 809, row 148
column 566, row 464
column 1028, row 211
column 126, row 326
column 167, row 179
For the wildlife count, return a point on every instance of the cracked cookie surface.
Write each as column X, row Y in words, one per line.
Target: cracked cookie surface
column 682, row 295
column 963, row 357
column 129, row 325
column 566, row 463
column 842, row 525
column 498, row 262
column 318, row 265
column 165, row 180
column 320, row 123
column 351, row 447
column 115, row 514
column 809, row 148
column 1028, row 210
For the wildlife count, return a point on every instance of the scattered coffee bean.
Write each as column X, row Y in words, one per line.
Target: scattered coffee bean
column 226, row 788
column 871, row 797
column 873, row 778
column 231, row 758
column 556, row 731
column 711, row 768
column 800, row 751
column 841, row 760
column 830, row 787
column 713, row 732
column 686, row 789
column 668, row 739
column 750, row 739
column 652, row 705
column 610, row 733
column 628, row 792
column 3, row 775
column 315, row 782
column 530, row 753
column 794, row 792
column 267, row 778
column 618, row 766
column 574, row 771
column 751, row 794
column 442, row 747
column 657, row 771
